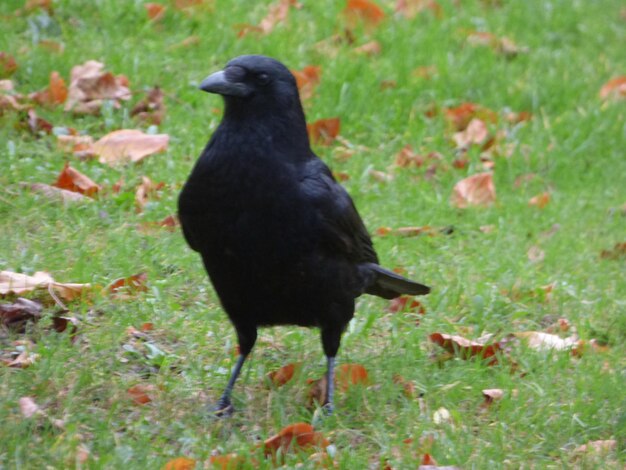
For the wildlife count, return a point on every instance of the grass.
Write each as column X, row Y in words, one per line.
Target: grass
column 483, row 282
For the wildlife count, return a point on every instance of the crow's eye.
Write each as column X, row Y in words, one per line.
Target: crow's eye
column 263, row 79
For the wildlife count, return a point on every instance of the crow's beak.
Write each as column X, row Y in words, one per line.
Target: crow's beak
column 219, row 84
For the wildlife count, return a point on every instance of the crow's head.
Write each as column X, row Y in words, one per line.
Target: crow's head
column 254, row 81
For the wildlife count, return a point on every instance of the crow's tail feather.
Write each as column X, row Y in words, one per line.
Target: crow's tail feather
column 390, row 285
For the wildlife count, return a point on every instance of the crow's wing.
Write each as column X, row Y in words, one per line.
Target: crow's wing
column 342, row 230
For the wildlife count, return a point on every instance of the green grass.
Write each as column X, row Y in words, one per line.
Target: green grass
column 574, row 144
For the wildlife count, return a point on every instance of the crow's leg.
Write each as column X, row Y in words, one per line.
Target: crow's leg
column 331, row 338
column 247, row 338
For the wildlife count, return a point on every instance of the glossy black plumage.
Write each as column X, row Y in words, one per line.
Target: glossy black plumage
column 281, row 240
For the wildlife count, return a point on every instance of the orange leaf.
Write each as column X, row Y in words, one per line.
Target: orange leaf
column 129, row 145
column 307, row 79
column 461, row 116
column 56, row 93
column 283, row 375
column 475, row 190
column 540, row 200
column 8, row 66
column 350, row 374
column 614, row 89
column 407, row 157
column 363, row 10
column 134, row 283
column 151, row 109
column 405, row 303
column 155, row 11
column 408, row 388
column 180, row 463
column 226, row 462
column 427, row 459
column 140, row 393
column 475, row 133
column 303, row 434
column 465, row 348
column 410, row 8
column 618, row 251
column 324, row 131
column 73, row 180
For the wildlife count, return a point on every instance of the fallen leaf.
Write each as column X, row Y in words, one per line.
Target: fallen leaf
column 278, row 12
column 32, row 5
column 22, row 310
column 79, row 145
column 407, row 158
column 614, row 89
column 540, row 200
column 363, row 10
column 491, row 395
column 141, row 394
column 28, row 407
column 169, row 223
column 324, row 131
column 55, row 94
column 600, row 447
column 503, row 45
column 465, row 348
column 475, row 190
column 155, row 11
column 347, row 375
column 24, row 360
column 428, row 459
column 283, row 375
column 307, row 79
column 126, row 286
column 146, row 190
column 380, row 176
column 151, row 109
column 8, row 65
column 35, row 124
column 82, row 454
column 369, row 48
column 128, row 145
column 73, row 180
column 410, row 8
column 475, row 133
column 460, row 117
column 405, row 303
column 535, row 254
column 408, row 388
column 487, row 228
column 57, row 194
column 17, row 283
column 294, row 436
column 546, row 341
column 227, row 461
column 90, row 85
column 180, row 463
column 617, row 252
column 317, row 391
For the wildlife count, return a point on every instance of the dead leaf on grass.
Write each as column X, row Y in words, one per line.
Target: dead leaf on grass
column 22, row 310
column 491, row 395
column 28, row 407
column 540, row 200
column 283, row 375
column 278, row 13
column 545, row 341
column 73, row 180
column 411, row 8
column 324, row 131
column 614, row 89
column 8, row 65
column 56, row 194
column 55, row 94
column 535, row 254
column 364, row 11
column 475, row 133
column 180, row 463
column 18, row 284
column 129, row 145
column 146, row 190
column 141, row 394
column 475, row 190
column 465, row 348
column 307, row 80
column 292, row 437
column 155, row 11
column 151, row 109
column 126, row 287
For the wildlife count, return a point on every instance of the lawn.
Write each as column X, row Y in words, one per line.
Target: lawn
column 501, row 272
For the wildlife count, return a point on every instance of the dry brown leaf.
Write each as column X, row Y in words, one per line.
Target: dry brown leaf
column 17, row 283
column 28, row 407
column 79, row 145
column 146, row 190
column 283, row 375
column 369, row 48
column 293, row 437
column 129, row 145
column 324, row 131
column 155, row 11
column 23, row 360
column 491, row 395
column 125, row 287
column 230, row 461
column 363, row 10
column 57, row 194
column 408, row 388
column 535, row 254
column 73, row 180
column 462, row 115
column 405, row 303
column 410, row 8
column 466, row 348
column 141, row 394
column 90, row 85
column 475, row 133
column 614, row 89
column 407, row 158
column 307, row 79
column 180, row 463
column 55, row 94
column 347, row 375
column 22, row 310
column 544, row 341
column 8, row 65
column 617, row 252
column 475, row 190
column 540, row 200
column 35, row 124
column 278, row 12
column 151, row 109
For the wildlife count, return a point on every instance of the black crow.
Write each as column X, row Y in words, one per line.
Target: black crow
column 281, row 240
